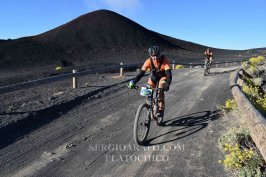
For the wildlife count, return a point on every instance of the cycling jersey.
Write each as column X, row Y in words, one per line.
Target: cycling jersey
column 157, row 68
column 164, row 64
column 209, row 55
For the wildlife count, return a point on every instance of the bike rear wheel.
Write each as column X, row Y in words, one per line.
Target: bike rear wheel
column 142, row 124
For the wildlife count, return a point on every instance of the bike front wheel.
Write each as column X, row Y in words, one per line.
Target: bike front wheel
column 209, row 69
column 205, row 71
column 142, row 124
column 159, row 121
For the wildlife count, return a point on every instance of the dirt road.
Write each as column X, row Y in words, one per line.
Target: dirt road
column 94, row 137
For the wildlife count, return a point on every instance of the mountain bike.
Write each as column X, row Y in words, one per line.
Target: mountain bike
column 146, row 112
column 207, row 66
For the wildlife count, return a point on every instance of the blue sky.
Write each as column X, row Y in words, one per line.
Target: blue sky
column 227, row 24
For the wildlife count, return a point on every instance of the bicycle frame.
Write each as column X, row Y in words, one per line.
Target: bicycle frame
column 207, row 66
column 153, row 101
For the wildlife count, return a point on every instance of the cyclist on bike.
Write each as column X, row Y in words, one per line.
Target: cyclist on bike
column 208, row 60
column 160, row 73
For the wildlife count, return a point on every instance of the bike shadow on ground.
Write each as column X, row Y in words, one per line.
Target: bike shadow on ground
column 11, row 113
column 189, row 124
column 222, row 72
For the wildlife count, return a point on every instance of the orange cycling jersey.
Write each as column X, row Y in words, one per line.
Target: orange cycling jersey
column 160, row 76
column 164, row 66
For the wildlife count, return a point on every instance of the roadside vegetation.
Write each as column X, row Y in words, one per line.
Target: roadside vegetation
column 252, row 86
column 230, row 104
column 179, row 67
column 58, row 68
column 241, row 156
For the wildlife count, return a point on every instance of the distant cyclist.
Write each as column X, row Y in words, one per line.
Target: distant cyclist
column 160, row 73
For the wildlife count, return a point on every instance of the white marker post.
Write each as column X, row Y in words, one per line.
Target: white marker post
column 74, row 80
column 121, row 70
column 173, row 66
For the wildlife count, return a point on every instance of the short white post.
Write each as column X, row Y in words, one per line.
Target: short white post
column 121, row 70
column 173, row 66
column 190, row 65
column 234, row 62
column 216, row 65
column 226, row 63
column 74, row 80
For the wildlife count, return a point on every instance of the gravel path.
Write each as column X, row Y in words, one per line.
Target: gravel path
column 88, row 132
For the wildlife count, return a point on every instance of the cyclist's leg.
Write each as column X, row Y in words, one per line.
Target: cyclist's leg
column 151, row 83
column 161, row 101
column 211, row 59
column 205, row 63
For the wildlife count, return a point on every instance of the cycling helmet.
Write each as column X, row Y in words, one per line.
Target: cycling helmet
column 154, row 50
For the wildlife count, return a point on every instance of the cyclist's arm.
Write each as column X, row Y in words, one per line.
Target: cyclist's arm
column 142, row 71
column 168, row 72
column 139, row 76
column 168, row 76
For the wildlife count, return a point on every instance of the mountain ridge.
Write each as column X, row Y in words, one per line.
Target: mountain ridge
column 97, row 37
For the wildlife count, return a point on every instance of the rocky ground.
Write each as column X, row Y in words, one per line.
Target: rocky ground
column 20, row 104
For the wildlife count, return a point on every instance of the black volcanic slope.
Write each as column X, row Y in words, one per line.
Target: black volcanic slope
column 98, row 37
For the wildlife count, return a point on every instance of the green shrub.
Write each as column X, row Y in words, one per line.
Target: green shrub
column 230, row 104
column 252, row 67
column 256, row 60
column 233, row 136
column 240, row 156
column 235, row 157
column 261, row 102
column 251, row 92
column 58, row 68
column 179, row 67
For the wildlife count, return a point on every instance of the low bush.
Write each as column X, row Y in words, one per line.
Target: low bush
column 179, row 67
column 58, row 68
column 261, row 103
column 256, row 60
column 230, row 104
column 252, row 67
column 241, row 156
